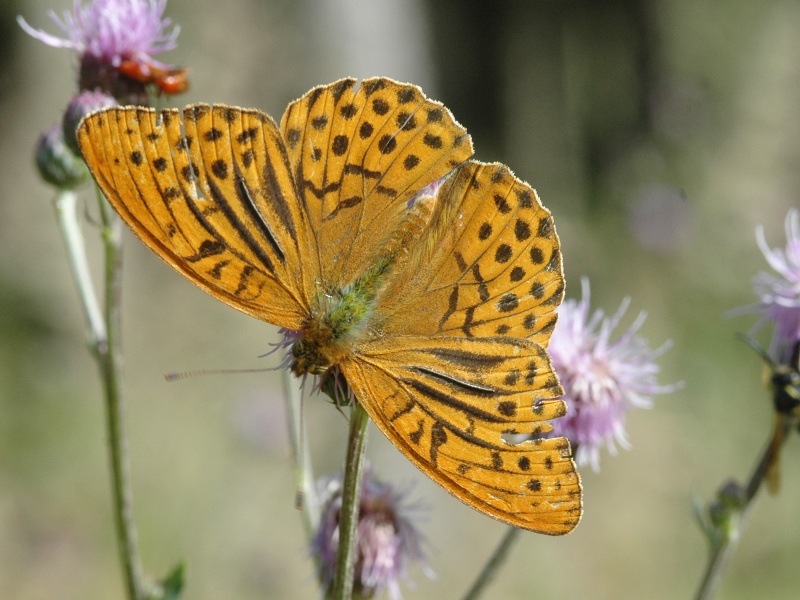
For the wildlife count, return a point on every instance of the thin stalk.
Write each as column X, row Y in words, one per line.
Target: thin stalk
column 306, row 500
column 65, row 205
column 351, row 493
column 722, row 549
column 103, row 337
column 109, row 358
column 492, row 567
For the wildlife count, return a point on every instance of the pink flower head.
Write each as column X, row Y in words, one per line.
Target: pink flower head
column 117, row 41
column 112, row 30
column 779, row 292
column 386, row 539
column 603, row 378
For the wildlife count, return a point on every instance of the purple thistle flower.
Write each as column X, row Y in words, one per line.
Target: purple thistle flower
column 603, row 379
column 779, row 295
column 386, row 539
column 116, row 41
column 112, row 30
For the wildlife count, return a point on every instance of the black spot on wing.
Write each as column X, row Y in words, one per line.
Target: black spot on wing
column 339, row 145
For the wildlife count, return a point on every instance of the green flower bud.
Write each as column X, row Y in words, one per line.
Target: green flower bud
column 57, row 164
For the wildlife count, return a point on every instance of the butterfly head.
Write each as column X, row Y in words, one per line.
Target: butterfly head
column 319, row 347
column 307, row 358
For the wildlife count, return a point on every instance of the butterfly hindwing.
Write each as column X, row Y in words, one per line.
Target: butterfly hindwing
column 217, row 203
column 459, row 362
column 490, row 263
column 447, row 404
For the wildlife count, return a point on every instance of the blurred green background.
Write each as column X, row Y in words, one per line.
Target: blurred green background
column 659, row 134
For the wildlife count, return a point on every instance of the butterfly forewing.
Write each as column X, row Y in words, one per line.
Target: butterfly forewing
column 447, row 403
column 490, row 263
column 359, row 154
column 215, row 224
column 249, row 193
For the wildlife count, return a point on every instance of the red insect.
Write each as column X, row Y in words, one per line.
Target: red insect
column 169, row 81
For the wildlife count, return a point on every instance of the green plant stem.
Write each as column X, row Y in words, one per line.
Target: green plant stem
column 103, row 334
column 111, row 370
column 351, row 493
column 723, row 547
column 491, row 568
column 65, row 205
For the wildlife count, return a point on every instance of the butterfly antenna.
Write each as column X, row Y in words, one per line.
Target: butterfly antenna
column 175, row 376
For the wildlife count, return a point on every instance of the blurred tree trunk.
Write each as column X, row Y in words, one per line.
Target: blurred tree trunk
column 558, row 89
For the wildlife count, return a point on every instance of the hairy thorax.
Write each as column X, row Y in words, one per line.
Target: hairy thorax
column 342, row 316
column 329, row 334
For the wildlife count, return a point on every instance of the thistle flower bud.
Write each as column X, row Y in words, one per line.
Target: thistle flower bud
column 81, row 105
column 57, row 164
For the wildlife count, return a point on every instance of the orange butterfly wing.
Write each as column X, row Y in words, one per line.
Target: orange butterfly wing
column 358, row 156
column 217, row 203
column 458, row 362
column 447, row 403
column 491, row 261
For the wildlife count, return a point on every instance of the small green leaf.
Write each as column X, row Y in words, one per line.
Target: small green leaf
column 171, row 585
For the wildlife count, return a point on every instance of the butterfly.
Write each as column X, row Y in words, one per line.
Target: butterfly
column 360, row 225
